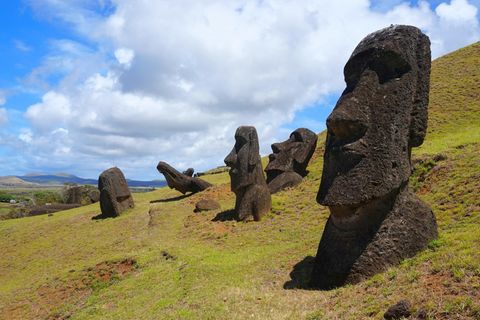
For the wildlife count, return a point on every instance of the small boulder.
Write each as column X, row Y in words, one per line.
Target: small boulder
column 403, row 309
column 206, row 205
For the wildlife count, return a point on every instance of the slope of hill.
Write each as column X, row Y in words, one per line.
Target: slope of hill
column 162, row 261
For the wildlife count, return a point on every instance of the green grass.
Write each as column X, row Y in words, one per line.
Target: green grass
column 190, row 267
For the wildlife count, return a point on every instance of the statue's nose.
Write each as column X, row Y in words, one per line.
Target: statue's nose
column 277, row 147
column 231, row 158
column 347, row 121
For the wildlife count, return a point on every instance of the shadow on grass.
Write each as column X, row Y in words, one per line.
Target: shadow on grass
column 300, row 274
column 228, row 215
column 183, row 196
column 101, row 216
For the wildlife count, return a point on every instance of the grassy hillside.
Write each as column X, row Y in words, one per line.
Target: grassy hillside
column 162, row 261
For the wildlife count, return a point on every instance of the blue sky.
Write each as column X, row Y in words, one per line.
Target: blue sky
column 85, row 85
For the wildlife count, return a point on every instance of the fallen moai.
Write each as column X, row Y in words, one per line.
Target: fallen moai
column 181, row 182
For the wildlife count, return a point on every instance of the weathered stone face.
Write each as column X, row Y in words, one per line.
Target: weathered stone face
column 289, row 160
column 380, row 116
column 115, row 196
column 244, row 159
column 246, row 175
column 180, row 181
column 375, row 220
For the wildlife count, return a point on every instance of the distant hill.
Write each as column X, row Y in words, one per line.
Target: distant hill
column 38, row 179
column 12, row 181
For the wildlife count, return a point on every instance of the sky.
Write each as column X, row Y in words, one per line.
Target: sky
column 90, row 84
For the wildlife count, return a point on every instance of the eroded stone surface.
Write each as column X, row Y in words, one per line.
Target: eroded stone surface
column 206, row 205
column 375, row 220
column 288, row 163
column 246, row 176
column 180, row 181
column 115, row 196
column 400, row 310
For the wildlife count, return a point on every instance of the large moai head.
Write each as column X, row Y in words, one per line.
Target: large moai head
column 375, row 220
column 115, row 196
column 380, row 116
column 244, row 159
column 288, row 163
column 246, row 176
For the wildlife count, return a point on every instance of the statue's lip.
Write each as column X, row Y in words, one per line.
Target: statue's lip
column 356, row 148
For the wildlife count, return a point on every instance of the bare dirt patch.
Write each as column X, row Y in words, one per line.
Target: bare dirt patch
column 60, row 298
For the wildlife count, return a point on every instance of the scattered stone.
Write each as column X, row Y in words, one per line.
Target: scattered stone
column 439, row 157
column 115, row 197
column 181, row 182
column 246, row 176
column 375, row 220
column 168, row 256
column 288, row 163
column 206, row 205
column 398, row 311
column 421, row 314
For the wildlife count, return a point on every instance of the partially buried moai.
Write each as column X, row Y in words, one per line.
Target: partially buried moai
column 288, row 163
column 246, row 176
column 115, row 196
column 375, row 220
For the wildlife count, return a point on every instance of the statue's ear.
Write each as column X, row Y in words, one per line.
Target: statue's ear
column 419, row 114
column 304, row 155
column 301, row 154
column 253, row 151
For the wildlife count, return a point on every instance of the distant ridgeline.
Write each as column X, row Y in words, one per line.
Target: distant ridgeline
column 63, row 179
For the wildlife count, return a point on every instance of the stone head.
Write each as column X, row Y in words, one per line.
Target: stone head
column 292, row 154
column 244, row 159
column 114, row 180
column 380, row 116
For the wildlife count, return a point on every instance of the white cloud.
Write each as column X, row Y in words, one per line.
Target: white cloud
column 172, row 80
column 458, row 11
column 3, row 116
column 53, row 111
column 124, row 56
column 21, row 46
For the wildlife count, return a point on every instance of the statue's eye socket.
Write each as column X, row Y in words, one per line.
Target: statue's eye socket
column 295, row 136
column 239, row 143
column 386, row 64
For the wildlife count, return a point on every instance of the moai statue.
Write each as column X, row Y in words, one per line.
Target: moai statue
column 115, row 197
column 288, row 163
column 189, row 172
column 180, row 181
column 375, row 220
column 246, row 176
